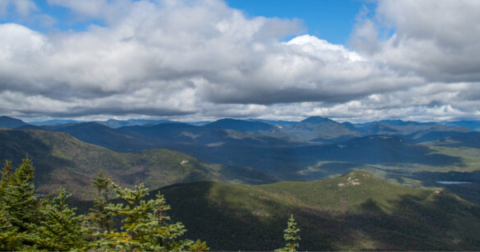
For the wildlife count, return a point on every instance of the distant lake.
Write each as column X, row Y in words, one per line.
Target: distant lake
column 453, row 182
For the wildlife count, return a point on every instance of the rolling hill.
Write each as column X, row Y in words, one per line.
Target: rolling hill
column 98, row 134
column 62, row 160
column 356, row 211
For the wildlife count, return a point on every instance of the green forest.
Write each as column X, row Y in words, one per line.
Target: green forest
column 29, row 221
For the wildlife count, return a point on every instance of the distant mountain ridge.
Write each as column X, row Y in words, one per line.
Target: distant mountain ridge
column 240, row 125
column 56, row 122
column 473, row 125
column 112, row 123
column 11, row 123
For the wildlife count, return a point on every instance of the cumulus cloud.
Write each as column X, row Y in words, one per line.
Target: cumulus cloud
column 437, row 39
column 206, row 60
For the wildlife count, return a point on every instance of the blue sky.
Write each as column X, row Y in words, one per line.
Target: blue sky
column 332, row 20
column 207, row 59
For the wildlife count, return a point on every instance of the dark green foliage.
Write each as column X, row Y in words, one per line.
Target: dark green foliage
column 10, row 239
column 60, row 229
column 29, row 222
column 6, row 175
column 145, row 225
column 199, row 246
column 20, row 209
column 100, row 218
column 18, row 195
column 291, row 236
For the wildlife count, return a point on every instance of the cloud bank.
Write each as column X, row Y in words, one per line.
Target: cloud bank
column 416, row 60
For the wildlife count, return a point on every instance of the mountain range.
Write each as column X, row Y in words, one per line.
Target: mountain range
column 310, row 149
column 386, row 185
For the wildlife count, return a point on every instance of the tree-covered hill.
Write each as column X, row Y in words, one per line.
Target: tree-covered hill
column 62, row 160
column 356, row 211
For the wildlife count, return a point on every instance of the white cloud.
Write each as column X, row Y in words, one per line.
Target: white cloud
column 204, row 59
column 437, row 39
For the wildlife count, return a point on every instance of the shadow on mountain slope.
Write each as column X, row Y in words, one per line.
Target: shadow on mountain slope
column 243, row 218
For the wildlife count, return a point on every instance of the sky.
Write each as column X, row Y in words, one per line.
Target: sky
column 191, row 60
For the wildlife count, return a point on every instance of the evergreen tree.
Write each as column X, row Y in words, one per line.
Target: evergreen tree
column 60, row 229
column 291, row 236
column 6, row 175
column 19, row 207
column 18, row 195
column 28, row 222
column 199, row 246
column 100, row 217
column 31, row 223
column 10, row 239
column 146, row 225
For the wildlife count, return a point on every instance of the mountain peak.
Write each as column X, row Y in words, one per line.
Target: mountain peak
column 316, row 119
column 11, row 123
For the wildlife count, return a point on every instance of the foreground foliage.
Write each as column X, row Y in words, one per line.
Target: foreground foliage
column 29, row 221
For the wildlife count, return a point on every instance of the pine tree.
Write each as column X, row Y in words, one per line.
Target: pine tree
column 28, row 222
column 32, row 223
column 18, row 195
column 10, row 239
column 20, row 206
column 61, row 228
column 291, row 236
column 146, row 226
column 6, row 175
column 199, row 246
column 100, row 217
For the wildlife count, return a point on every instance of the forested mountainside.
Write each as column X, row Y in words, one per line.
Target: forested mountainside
column 356, row 211
column 62, row 160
